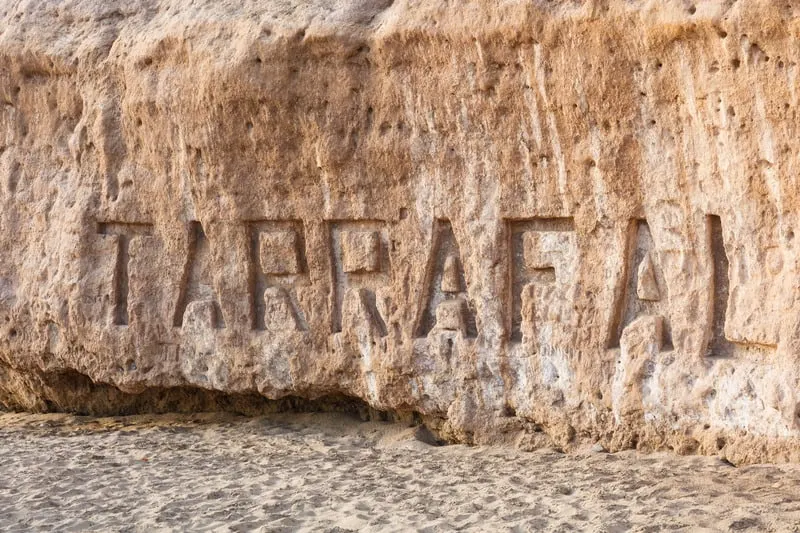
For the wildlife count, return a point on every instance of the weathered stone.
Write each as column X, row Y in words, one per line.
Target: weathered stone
column 361, row 251
column 581, row 213
column 646, row 284
column 450, row 315
column 278, row 253
column 451, row 277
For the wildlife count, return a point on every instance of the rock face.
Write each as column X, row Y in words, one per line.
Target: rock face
column 548, row 223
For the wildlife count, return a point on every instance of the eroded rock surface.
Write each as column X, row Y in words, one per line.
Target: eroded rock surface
column 548, row 223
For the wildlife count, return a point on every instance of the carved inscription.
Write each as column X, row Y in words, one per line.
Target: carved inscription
column 543, row 256
column 542, row 253
column 124, row 232
column 719, row 345
column 360, row 264
column 278, row 266
column 445, row 304
column 643, row 290
column 197, row 283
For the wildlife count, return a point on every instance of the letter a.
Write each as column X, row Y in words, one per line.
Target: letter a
column 643, row 291
column 197, row 284
column 445, row 305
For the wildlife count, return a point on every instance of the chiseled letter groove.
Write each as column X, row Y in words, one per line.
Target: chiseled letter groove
column 124, row 232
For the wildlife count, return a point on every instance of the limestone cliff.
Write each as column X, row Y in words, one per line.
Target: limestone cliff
column 532, row 222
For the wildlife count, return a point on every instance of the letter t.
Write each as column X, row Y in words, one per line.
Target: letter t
column 124, row 232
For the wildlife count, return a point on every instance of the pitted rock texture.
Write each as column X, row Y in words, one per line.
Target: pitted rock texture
column 542, row 223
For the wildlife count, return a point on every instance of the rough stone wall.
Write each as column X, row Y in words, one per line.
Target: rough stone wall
column 531, row 222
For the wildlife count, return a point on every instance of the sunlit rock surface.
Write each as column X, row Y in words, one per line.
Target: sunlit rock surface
column 541, row 223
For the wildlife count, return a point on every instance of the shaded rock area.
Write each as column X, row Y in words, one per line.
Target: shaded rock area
column 535, row 223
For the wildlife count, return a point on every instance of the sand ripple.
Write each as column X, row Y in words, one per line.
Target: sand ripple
column 334, row 473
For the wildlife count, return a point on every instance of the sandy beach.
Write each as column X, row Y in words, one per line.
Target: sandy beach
column 328, row 472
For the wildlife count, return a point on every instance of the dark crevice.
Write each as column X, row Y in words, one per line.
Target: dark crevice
column 73, row 392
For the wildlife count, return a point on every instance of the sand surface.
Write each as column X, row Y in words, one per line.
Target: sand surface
column 335, row 473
